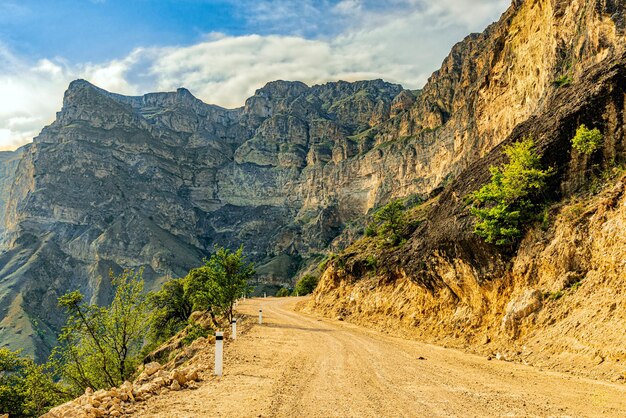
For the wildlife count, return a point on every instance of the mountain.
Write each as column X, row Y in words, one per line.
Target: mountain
column 155, row 181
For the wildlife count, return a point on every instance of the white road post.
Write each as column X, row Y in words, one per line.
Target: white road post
column 233, row 334
column 219, row 353
column 264, row 295
column 260, row 316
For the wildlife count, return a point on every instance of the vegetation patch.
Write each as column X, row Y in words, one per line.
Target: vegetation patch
column 305, row 285
column 282, row 292
column 505, row 204
column 26, row 389
column 563, row 81
column 389, row 223
column 102, row 346
column 587, row 141
column 194, row 331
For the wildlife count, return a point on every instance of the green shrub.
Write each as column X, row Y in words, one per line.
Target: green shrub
column 564, row 80
column 322, row 265
column 371, row 262
column 370, row 230
column 26, row 389
column 282, row 292
column 390, row 221
column 100, row 346
column 505, row 204
column 194, row 331
column 171, row 307
column 216, row 286
column 555, row 295
column 587, row 141
column 545, row 219
column 576, row 285
column 306, row 285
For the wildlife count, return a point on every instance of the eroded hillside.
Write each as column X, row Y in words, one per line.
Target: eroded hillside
column 558, row 300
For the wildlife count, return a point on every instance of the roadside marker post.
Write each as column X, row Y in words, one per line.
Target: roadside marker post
column 260, row 316
column 219, row 353
column 264, row 295
column 233, row 324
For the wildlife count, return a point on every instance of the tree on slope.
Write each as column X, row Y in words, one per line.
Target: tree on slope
column 220, row 282
column 100, row 346
column 507, row 202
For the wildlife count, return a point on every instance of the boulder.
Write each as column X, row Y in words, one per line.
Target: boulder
column 529, row 303
column 178, row 376
column 152, row 368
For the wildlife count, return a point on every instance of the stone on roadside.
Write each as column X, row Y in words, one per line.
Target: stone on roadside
column 152, row 368
column 178, row 376
column 192, row 375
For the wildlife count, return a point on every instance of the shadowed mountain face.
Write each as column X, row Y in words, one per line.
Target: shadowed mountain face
column 155, row 181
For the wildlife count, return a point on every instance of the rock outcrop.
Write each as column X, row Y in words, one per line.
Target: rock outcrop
column 8, row 167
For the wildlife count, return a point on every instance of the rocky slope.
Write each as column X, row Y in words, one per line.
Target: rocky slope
column 8, row 166
column 559, row 305
column 559, row 300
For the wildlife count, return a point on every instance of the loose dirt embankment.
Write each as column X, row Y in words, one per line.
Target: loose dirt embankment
column 300, row 365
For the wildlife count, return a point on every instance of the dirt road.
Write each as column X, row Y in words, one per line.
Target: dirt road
column 300, row 366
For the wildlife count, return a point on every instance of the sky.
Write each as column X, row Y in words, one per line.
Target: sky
column 221, row 50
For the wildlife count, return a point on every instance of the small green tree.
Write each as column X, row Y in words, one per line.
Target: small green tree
column 26, row 389
column 216, row 286
column 390, row 221
column 587, row 140
column 306, row 285
column 13, row 396
column 506, row 202
column 282, row 292
column 100, row 346
column 171, row 307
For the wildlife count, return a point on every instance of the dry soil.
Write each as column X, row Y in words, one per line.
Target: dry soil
column 295, row 365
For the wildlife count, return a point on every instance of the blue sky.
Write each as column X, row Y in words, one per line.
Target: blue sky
column 84, row 30
column 222, row 50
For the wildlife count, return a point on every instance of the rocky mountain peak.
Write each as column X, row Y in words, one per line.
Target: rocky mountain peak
column 81, row 92
column 281, row 89
column 83, row 102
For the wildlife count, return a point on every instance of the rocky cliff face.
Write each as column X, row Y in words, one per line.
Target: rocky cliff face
column 8, row 166
column 155, row 181
column 556, row 301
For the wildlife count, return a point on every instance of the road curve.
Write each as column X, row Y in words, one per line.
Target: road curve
column 296, row 365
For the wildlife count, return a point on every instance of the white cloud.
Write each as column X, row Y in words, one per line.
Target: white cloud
column 403, row 42
column 29, row 96
column 113, row 76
